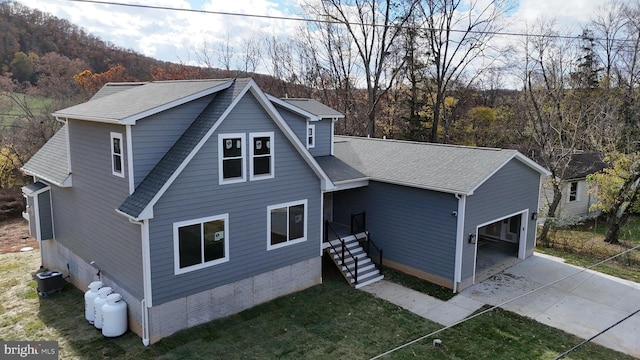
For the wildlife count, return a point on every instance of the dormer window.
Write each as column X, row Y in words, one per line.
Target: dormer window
column 311, row 136
column 231, row 158
column 117, row 155
column 261, row 165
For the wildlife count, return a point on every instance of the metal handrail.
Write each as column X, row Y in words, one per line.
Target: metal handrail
column 369, row 243
column 328, row 227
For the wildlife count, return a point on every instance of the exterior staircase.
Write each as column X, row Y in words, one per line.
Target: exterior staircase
column 367, row 272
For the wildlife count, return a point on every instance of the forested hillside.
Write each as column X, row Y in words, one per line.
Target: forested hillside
column 31, row 31
column 546, row 93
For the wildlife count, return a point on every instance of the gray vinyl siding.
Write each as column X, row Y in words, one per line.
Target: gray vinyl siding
column 512, row 189
column 154, row 136
column 323, row 138
column 44, row 209
column 296, row 122
column 196, row 194
column 299, row 126
column 414, row 227
column 85, row 219
column 566, row 208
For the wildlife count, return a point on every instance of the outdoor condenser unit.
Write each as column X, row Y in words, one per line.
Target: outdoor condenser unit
column 49, row 282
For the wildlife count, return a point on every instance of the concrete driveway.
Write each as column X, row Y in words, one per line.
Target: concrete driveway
column 583, row 304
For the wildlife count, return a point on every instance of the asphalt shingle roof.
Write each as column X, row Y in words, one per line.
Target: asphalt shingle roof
column 114, row 88
column 447, row 168
column 337, row 170
column 167, row 166
column 314, row 107
column 118, row 105
column 583, row 164
column 51, row 162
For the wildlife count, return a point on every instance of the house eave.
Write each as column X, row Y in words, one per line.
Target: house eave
column 146, row 214
column 349, row 184
column 67, row 182
column 295, row 109
column 425, row 187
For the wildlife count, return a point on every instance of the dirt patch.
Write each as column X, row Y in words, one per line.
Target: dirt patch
column 11, row 203
column 14, row 235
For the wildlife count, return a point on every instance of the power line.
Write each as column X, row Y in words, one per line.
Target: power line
column 335, row 22
column 504, row 303
column 596, row 335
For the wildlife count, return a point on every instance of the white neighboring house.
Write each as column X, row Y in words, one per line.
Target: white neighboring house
column 576, row 198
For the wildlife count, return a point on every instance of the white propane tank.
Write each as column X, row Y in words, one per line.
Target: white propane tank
column 89, row 296
column 97, row 304
column 114, row 316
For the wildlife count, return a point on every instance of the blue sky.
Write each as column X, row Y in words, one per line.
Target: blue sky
column 178, row 36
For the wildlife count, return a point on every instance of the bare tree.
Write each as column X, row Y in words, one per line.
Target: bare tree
column 205, row 55
column 608, row 24
column 225, row 54
column 457, row 33
column 373, row 29
column 330, row 66
column 251, row 54
column 554, row 120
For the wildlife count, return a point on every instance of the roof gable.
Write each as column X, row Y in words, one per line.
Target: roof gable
column 51, row 162
column 445, row 168
column 139, row 205
column 130, row 103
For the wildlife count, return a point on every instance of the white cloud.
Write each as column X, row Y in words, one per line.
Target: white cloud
column 175, row 35
column 165, row 34
column 571, row 15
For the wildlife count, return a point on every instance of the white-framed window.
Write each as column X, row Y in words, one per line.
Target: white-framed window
column 262, row 156
column 311, row 136
column 200, row 243
column 573, row 191
column 231, row 158
column 117, row 155
column 287, row 224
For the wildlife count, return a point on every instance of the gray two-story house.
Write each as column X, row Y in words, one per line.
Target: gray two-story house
column 198, row 199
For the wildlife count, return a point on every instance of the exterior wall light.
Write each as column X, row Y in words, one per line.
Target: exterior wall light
column 472, row 238
column 534, row 216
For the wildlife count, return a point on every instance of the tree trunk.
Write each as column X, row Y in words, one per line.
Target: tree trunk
column 627, row 196
column 551, row 213
column 436, row 117
column 613, row 230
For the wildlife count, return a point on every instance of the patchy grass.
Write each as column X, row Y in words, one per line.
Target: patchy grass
column 417, row 284
column 327, row 321
column 584, row 246
column 630, row 231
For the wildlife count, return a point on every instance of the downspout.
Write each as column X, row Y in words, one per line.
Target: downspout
column 462, row 200
column 146, row 303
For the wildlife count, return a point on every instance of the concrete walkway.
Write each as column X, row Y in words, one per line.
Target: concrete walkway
column 442, row 312
column 583, row 304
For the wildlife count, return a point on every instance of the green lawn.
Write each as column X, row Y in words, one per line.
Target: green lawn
column 328, row 321
column 10, row 112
